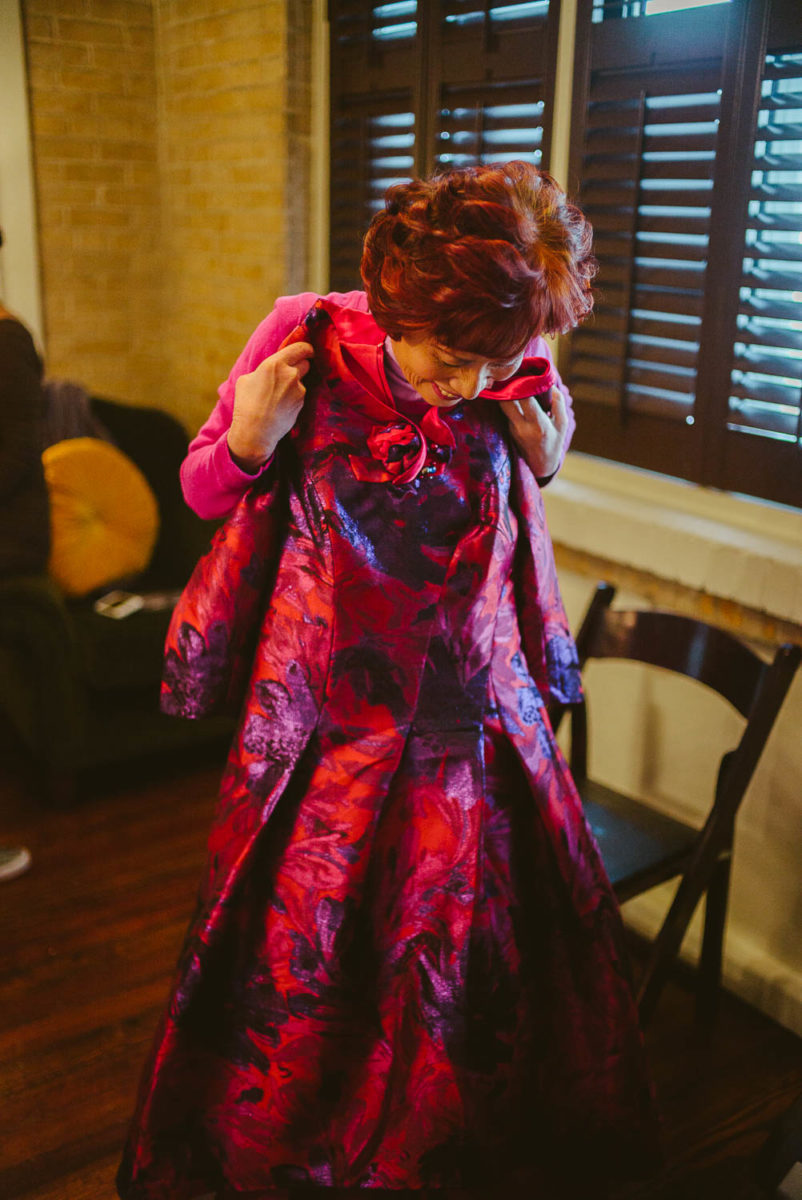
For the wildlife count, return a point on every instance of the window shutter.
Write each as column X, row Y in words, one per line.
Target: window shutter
column 495, row 81
column 648, row 110
column 416, row 87
column 373, row 128
column 372, row 146
column 762, row 451
column 489, row 125
column 686, row 152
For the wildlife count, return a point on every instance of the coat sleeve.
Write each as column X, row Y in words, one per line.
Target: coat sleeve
column 214, row 626
column 545, row 632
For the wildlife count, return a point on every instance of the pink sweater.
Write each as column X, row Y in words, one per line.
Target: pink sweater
column 211, row 481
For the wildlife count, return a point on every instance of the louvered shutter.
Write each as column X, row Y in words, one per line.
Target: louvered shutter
column 372, row 146
column 647, row 120
column 495, row 82
column 373, row 129
column 762, row 440
column 691, row 178
column 421, row 87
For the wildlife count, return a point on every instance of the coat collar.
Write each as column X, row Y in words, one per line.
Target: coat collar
column 360, row 352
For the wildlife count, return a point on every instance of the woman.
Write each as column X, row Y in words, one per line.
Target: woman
column 405, row 970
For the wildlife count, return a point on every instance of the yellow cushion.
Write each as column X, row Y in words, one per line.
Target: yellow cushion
column 104, row 518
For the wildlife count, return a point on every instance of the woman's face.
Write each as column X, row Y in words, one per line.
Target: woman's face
column 446, row 377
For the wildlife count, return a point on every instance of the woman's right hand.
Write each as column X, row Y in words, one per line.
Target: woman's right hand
column 267, row 403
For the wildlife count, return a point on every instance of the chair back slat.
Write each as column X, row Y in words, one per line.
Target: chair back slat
column 683, row 645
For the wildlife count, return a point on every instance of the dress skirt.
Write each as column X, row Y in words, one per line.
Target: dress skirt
column 406, row 970
column 391, row 1005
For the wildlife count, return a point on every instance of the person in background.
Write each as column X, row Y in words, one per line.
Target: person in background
column 24, row 504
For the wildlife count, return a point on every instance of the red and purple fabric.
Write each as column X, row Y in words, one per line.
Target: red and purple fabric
column 535, row 377
column 406, row 967
column 211, row 481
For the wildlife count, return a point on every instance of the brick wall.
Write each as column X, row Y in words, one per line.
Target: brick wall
column 161, row 151
column 91, row 73
column 223, row 126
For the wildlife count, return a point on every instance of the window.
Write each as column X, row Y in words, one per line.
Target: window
column 686, row 154
column 604, row 10
column 418, row 86
column 764, row 396
column 687, row 157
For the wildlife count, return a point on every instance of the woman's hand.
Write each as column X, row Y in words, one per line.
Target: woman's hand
column 539, row 436
column 267, row 403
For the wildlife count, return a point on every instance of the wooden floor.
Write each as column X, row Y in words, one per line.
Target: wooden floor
column 88, row 939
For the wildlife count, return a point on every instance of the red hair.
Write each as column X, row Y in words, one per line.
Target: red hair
column 480, row 259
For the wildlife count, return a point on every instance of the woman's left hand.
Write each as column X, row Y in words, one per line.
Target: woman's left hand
column 539, row 436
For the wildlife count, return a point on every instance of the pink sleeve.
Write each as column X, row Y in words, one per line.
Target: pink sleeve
column 539, row 346
column 211, row 481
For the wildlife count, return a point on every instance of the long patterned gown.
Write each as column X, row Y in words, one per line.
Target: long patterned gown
column 405, row 968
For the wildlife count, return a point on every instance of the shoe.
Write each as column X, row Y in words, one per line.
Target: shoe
column 13, row 861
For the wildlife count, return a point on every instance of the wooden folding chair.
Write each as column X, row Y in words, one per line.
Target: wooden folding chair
column 642, row 847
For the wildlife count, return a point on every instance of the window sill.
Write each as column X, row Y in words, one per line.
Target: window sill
column 729, row 547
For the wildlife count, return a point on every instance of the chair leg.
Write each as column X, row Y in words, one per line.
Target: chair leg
column 652, row 982
column 709, row 982
column 666, row 946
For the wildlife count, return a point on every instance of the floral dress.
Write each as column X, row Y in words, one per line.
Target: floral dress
column 405, row 969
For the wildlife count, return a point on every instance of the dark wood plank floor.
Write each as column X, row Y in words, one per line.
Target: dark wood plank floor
column 88, row 940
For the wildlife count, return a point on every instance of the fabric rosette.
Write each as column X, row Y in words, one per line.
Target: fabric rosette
column 398, row 452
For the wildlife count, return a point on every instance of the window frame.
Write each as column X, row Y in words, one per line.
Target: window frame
column 704, row 451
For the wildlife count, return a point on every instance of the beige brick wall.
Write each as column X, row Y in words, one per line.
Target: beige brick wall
column 223, row 126
column 161, row 145
column 91, row 73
